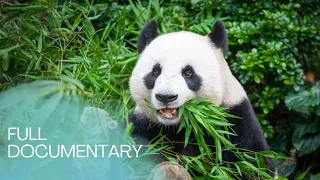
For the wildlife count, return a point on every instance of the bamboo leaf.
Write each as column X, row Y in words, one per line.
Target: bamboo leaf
column 187, row 136
column 6, row 50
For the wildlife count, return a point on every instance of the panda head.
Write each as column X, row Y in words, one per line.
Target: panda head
column 176, row 67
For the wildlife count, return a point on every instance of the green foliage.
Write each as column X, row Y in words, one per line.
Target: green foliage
column 266, row 57
column 201, row 118
column 306, row 136
column 271, row 44
column 306, row 101
column 302, row 134
column 41, row 42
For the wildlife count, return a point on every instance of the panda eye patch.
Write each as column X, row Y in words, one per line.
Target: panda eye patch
column 151, row 77
column 156, row 71
column 192, row 79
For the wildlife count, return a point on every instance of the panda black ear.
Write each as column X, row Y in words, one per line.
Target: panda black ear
column 219, row 36
column 148, row 33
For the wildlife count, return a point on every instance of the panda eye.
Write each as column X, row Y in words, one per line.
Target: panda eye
column 156, row 71
column 187, row 73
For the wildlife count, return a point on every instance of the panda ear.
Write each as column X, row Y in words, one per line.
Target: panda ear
column 148, row 33
column 219, row 36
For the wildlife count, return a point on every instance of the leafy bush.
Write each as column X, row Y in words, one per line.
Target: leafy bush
column 45, row 41
column 271, row 46
column 304, row 126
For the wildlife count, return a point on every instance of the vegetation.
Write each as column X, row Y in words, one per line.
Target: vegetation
column 273, row 49
column 201, row 118
column 61, row 114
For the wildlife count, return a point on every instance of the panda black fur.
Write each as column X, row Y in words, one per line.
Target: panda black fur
column 162, row 75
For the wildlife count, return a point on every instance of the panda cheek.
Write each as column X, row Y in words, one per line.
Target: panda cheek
column 149, row 80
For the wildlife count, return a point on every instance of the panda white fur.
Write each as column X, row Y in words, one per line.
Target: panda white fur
column 176, row 67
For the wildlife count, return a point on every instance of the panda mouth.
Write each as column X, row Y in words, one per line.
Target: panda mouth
column 169, row 113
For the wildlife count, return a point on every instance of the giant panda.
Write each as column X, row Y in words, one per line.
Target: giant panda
column 176, row 67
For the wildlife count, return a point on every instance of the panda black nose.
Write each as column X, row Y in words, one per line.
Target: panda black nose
column 166, row 98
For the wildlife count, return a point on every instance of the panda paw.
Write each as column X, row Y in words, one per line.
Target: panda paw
column 169, row 171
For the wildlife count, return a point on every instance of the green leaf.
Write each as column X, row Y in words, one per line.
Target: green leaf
column 218, row 151
column 302, row 101
column 219, row 123
column 180, row 112
column 5, row 61
column 306, row 138
column 200, row 165
column 40, row 43
column 6, row 50
column 187, row 135
column 302, row 175
column 257, row 79
column 238, row 169
column 110, row 87
column 249, row 165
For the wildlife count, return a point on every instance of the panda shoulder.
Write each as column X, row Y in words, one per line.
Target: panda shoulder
column 236, row 100
column 234, row 93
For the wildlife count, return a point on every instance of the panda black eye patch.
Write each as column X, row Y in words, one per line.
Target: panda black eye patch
column 192, row 79
column 151, row 77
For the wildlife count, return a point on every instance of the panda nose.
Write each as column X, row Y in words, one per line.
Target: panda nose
column 166, row 98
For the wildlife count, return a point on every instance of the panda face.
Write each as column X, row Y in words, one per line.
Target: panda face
column 174, row 68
